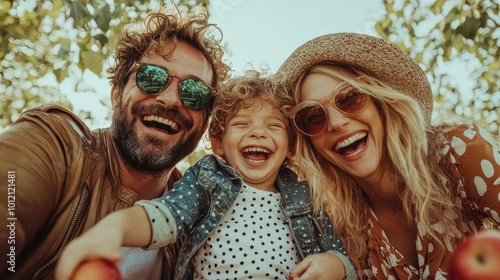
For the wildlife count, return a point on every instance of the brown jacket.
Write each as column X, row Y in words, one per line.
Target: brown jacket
column 57, row 179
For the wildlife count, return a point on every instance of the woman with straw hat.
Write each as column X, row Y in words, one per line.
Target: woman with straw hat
column 401, row 192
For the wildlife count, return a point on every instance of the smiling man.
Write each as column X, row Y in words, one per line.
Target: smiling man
column 64, row 178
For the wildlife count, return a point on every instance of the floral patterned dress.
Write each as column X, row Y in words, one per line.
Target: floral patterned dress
column 473, row 156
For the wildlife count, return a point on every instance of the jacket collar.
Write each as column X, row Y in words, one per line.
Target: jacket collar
column 292, row 191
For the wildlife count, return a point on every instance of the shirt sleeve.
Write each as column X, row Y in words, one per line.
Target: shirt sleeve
column 350, row 268
column 163, row 227
column 176, row 212
column 476, row 155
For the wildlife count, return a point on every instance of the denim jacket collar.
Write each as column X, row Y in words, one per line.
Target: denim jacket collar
column 295, row 194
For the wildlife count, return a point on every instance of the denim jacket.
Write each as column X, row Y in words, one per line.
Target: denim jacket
column 208, row 189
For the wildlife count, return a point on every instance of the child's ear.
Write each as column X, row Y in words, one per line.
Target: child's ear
column 217, row 147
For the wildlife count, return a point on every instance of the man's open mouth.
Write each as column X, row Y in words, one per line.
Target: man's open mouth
column 160, row 123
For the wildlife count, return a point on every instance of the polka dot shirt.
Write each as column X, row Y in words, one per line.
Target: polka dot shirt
column 252, row 241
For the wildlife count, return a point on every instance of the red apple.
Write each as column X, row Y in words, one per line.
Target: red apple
column 477, row 257
column 97, row 270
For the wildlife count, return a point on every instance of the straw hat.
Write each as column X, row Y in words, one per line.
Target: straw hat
column 373, row 55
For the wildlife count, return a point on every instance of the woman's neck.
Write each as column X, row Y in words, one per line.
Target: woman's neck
column 381, row 189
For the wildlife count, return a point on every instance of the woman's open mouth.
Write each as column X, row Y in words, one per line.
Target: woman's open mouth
column 352, row 145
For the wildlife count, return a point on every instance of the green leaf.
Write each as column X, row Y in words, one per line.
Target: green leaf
column 92, row 61
column 64, row 50
column 438, row 6
column 60, row 74
column 494, row 66
column 458, row 43
column 418, row 57
column 103, row 17
column 102, row 39
column 452, row 15
column 77, row 11
column 5, row 6
column 470, row 27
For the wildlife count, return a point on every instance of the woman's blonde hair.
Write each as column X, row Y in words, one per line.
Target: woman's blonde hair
column 411, row 155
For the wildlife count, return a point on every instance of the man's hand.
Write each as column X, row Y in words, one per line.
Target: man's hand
column 103, row 241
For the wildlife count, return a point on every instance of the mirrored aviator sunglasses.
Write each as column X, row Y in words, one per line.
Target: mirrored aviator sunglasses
column 153, row 79
column 311, row 116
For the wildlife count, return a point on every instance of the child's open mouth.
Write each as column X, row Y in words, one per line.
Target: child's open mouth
column 256, row 154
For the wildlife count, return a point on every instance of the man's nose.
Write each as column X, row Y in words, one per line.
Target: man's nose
column 170, row 96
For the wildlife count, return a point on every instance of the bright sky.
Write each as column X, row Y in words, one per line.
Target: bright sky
column 256, row 31
column 269, row 30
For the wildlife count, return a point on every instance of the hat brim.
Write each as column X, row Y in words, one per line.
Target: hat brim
column 373, row 55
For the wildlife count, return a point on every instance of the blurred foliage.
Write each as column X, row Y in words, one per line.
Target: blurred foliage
column 193, row 157
column 44, row 42
column 440, row 33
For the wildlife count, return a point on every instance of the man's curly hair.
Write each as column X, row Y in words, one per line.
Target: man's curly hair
column 162, row 27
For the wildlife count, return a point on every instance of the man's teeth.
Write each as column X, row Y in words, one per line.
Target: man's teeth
column 350, row 140
column 256, row 150
column 161, row 120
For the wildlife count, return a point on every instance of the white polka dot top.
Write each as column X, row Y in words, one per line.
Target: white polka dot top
column 252, row 241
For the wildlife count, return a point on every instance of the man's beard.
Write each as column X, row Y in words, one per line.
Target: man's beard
column 151, row 160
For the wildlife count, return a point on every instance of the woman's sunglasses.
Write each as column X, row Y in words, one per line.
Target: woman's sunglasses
column 311, row 116
column 153, row 79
